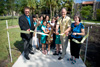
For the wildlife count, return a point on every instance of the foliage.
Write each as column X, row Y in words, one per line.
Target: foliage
column 37, row 6
column 86, row 12
column 98, row 14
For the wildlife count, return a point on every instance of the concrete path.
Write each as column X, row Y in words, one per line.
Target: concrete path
column 41, row 60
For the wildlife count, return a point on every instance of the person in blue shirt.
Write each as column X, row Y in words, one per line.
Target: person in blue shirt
column 26, row 24
column 78, row 32
column 43, row 37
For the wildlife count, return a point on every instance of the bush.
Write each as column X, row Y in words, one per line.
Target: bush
column 98, row 14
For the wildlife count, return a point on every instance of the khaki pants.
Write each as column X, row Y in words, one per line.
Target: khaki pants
column 64, row 42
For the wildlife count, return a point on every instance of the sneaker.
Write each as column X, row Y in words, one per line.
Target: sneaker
column 73, row 62
column 45, row 51
column 55, row 53
column 60, row 52
column 38, row 48
column 60, row 58
column 69, row 59
column 49, row 52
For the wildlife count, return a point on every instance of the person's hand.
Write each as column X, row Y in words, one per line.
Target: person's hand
column 67, row 33
column 57, row 33
column 74, row 33
column 34, row 34
column 47, row 29
column 39, row 22
column 62, row 33
column 28, row 30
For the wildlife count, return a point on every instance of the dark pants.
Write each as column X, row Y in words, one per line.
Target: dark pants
column 75, row 48
column 27, row 46
column 53, row 44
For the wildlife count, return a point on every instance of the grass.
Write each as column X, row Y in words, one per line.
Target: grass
column 15, row 42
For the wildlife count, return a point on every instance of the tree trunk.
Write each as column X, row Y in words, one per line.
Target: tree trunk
column 53, row 11
column 50, row 11
column 57, row 10
column 94, row 10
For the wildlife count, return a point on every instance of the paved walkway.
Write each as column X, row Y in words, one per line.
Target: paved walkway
column 41, row 60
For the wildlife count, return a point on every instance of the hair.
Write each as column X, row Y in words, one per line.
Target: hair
column 33, row 16
column 54, row 18
column 64, row 9
column 44, row 21
column 78, row 17
column 44, row 18
column 40, row 16
column 57, row 16
column 48, row 16
column 48, row 23
column 26, row 8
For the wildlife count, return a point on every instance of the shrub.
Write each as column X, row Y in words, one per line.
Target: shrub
column 98, row 14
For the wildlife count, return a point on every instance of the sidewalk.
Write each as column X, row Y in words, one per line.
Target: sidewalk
column 40, row 60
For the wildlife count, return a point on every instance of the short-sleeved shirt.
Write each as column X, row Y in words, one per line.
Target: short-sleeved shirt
column 39, row 27
column 76, row 29
column 43, row 28
column 64, row 23
column 43, row 37
column 35, row 23
column 48, row 21
column 49, row 28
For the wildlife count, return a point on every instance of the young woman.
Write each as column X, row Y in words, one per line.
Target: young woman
column 49, row 38
column 35, row 35
column 78, row 31
column 43, row 37
column 47, row 19
column 57, row 42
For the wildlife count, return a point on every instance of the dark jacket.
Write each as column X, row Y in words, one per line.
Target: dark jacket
column 24, row 25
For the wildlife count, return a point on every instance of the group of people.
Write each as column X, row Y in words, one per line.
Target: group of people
column 56, row 33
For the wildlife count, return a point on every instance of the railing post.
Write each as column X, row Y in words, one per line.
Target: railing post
column 86, row 46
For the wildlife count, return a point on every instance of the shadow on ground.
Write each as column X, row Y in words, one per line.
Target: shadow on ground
column 19, row 45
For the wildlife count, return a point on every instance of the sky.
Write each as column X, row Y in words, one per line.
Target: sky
column 80, row 1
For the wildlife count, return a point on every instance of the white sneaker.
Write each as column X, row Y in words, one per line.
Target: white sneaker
column 49, row 52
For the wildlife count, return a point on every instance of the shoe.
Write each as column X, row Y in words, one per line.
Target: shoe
column 73, row 62
column 27, row 57
column 55, row 53
column 49, row 52
column 31, row 52
column 60, row 52
column 45, row 51
column 69, row 59
column 38, row 48
column 60, row 58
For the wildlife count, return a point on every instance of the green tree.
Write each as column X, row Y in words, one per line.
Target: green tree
column 86, row 12
column 2, row 8
column 98, row 14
